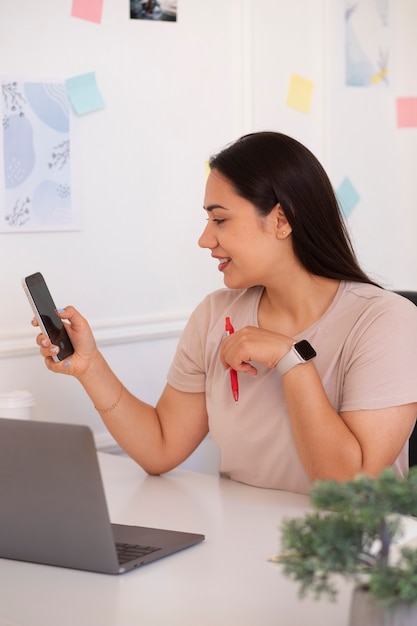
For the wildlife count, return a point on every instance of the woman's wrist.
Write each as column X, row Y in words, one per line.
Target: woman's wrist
column 101, row 384
column 111, row 408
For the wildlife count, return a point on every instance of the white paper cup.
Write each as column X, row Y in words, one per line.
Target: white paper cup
column 17, row 405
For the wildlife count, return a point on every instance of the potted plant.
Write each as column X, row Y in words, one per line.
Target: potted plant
column 351, row 532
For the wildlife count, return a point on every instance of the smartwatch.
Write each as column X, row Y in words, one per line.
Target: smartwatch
column 301, row 352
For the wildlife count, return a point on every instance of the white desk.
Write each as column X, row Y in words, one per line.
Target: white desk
column 224, row 581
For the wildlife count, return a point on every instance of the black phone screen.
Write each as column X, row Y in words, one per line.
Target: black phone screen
column 45, row 312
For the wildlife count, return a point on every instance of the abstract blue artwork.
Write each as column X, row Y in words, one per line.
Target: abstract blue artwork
column 367, row 42
column 36, row 151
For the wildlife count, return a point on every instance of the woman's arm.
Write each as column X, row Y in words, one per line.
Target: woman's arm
column 330, row 445
column 158, row 438
column 337, row 447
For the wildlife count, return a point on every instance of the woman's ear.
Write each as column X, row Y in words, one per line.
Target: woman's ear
column 282, row 226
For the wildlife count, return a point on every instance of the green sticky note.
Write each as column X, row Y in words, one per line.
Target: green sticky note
column 84, row 94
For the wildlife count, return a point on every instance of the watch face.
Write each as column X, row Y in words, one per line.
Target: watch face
column 305, row 350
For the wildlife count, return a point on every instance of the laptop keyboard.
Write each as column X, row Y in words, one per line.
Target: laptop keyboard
column 128, row 552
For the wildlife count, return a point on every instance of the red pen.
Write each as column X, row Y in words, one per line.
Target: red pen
column 233, row 373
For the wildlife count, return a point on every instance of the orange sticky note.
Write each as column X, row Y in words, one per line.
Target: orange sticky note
column 300, row 93
column 407, row 112
column 87, row 10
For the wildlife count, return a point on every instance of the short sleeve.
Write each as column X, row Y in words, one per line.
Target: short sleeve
column 382, row 369
column 187, row 372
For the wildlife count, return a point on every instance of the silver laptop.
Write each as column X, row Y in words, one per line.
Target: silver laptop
column 53, row 508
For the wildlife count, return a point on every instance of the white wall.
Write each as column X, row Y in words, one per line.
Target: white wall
column 175, row 93
column 363, row 141
column 352, row 130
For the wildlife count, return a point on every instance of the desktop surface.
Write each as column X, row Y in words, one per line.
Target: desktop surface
column 225, row 581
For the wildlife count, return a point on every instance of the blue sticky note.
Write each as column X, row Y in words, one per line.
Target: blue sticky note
column 84, row 94
column 347, row 196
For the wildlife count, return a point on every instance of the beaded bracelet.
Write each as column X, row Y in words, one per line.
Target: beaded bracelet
column 113, row 406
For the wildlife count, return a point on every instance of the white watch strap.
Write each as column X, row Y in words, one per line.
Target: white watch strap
column 290, row 360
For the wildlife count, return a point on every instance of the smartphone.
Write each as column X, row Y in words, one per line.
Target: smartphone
column 44, row 310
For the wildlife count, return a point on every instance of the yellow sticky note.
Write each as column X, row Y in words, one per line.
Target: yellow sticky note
column 300, row 93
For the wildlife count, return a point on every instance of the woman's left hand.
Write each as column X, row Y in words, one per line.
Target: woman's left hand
column 251, row 344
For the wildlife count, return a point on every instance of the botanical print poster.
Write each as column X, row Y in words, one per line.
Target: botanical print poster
column 36, row 164
column 367, row 42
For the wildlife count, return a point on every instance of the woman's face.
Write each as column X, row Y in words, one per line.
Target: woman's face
column 245, row 244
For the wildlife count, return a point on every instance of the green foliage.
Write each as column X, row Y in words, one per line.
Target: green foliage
column 371, row 498
column 350, row 534
column 398, row 582
column 317, row 547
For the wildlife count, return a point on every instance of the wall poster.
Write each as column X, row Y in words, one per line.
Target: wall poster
column 157, row 10
column 367, row 42
column 36, row 174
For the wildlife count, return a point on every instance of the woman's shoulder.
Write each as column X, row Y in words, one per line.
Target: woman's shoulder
column 377, row 299
column 369, row 292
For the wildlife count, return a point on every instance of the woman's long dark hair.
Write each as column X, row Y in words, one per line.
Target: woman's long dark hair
column 268, row 167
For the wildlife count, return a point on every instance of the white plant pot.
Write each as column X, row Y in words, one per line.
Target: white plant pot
column 367, row 611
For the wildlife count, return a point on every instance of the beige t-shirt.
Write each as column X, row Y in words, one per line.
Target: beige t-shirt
column 366, row 344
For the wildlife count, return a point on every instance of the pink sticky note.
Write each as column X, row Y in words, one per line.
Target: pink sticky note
column 406, row 112
column 87, row 10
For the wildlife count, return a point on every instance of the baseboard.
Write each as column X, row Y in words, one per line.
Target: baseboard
column 21, row 343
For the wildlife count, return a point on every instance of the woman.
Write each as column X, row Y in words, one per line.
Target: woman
column 294, row 289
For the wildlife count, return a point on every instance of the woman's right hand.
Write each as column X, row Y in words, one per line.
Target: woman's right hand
column 82, row 340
